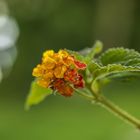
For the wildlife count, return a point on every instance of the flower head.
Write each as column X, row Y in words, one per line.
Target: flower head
column 59, row 71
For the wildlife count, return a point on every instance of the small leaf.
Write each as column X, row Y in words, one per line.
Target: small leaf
column 91, row 52
column 36, row 95
column 97, row 48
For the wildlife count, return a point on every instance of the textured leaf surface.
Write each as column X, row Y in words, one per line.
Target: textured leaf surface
column 115, row 63
column 127, row 57
column 36, row 94
column 115, row 68
column 111, row 71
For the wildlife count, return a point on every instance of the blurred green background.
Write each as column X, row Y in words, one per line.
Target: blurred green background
column 72, row 24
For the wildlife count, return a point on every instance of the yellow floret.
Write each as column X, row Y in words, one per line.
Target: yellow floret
column 49, row 53
column 49, row 62
column 38, row 71
column 43, row 82
column 63, row 54
column 48, row 74
column 68, row 61
column 59, row 71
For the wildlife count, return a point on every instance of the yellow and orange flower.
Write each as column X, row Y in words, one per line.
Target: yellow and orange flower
column 59, row 71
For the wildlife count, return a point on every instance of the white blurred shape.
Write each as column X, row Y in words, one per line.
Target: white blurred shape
column 8, row 32
column 5, row 42
column 7, row 59
column 2, row 21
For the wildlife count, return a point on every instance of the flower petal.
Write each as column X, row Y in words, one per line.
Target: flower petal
column 49, row 62
column 59, row 71
column 49, row 53
column 38, row 71
column 79, row 64
column 43, row 82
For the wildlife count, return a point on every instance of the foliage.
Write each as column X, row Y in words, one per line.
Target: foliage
column 37, row 94
column 114, row 63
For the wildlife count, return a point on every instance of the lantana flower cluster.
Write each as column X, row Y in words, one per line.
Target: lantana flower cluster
column 59, row 71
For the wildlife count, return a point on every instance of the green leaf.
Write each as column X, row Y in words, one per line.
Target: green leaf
column 96, row 49
column 115, row 63
column 114, row 68
column 126, row 57
column 91, row 52
column 104, row 74
column 36, row 95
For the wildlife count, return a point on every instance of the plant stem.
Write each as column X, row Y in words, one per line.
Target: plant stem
column 88, row 97
column 104, row 102
column 118, row 111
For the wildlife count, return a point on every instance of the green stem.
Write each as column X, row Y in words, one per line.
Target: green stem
column 118, row 111
column 112, row 108
column 88, row 97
